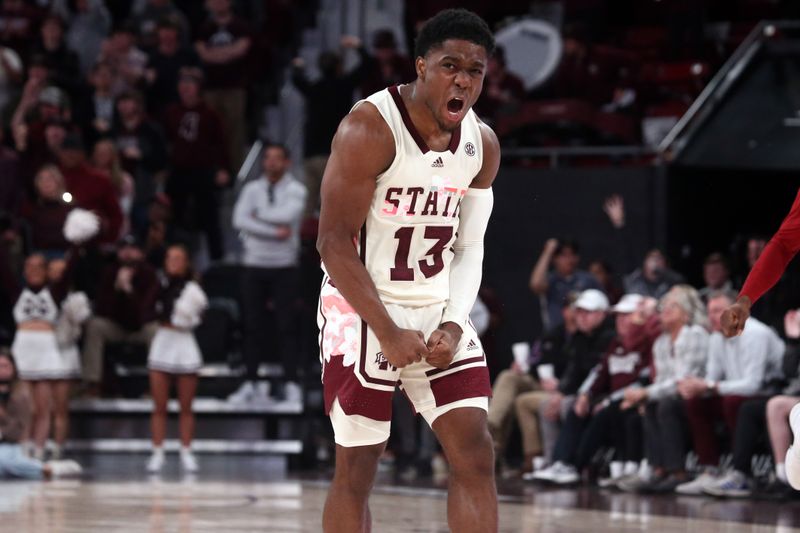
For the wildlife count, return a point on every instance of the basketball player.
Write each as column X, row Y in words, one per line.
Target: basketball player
column 768, row 269
column 406, row 198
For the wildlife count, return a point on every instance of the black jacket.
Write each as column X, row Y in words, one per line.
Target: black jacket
column 582, row 353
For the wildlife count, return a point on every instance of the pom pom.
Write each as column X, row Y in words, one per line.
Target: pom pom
column 76, row 308
column 81, row 225
column 189, row 306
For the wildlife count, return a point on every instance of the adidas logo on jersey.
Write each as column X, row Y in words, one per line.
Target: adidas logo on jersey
column 472, row 345
column 438, row 163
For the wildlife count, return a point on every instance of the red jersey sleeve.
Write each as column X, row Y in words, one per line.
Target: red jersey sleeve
column 780, row 250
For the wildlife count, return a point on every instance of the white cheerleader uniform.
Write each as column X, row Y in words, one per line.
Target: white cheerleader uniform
column 174, row 349
column 36, row 352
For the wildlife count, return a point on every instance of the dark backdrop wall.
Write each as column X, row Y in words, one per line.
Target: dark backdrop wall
column 532, row 205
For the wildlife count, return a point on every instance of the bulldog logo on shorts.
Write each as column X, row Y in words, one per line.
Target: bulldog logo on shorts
column 383, row 363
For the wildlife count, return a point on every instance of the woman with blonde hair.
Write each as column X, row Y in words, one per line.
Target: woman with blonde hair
column 681, row 351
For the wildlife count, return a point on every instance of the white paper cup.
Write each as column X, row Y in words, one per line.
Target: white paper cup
column 522, row 354
column 546, row 372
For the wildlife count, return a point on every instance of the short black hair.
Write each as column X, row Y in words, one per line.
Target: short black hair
column 453, row 24
column 567, row 244
column 282, row 147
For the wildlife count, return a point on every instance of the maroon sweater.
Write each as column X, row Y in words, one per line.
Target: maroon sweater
column 196, row 136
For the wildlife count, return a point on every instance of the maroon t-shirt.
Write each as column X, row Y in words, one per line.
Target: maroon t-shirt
column 225, row 75
column 196, row 137
column 92, row 190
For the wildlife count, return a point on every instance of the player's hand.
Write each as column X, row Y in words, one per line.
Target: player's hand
column 442, row 345
column 403, row 347
column 734, row 317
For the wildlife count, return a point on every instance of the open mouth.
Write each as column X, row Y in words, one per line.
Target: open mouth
column 455, row 105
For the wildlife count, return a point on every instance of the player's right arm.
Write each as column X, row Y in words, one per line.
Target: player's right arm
column 362, row 149
column 768, row 269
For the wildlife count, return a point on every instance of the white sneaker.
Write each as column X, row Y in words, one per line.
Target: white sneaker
column 734, row 484
column 439, row 466
column 698, row 485
column 56, row 453
column 156, row 462
column 244, row 394
column 566, row 475
column 292, row 392
column 547, row 474
column 188, row 461
column 65, row 468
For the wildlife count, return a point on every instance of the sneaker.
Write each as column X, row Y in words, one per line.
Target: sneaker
column 439, row 466
column 566, row 475
column 734, row 484
column 665, row 485
column 633, row 483
column 559, row 473
column 292, row 392
column 56, row 453
column 66, row 468
column 188, row 461
column 244, row 394
column 262, row 392
column 156, row 461
column 697, row 486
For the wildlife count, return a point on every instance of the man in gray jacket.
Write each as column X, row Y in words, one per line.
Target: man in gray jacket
column 268, row 215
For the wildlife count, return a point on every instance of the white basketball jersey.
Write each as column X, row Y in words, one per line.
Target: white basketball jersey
column 406, row 240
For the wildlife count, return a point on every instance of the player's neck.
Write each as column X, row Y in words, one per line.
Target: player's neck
column 422, row 116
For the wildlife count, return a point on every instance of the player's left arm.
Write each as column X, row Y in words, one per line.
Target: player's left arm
column 467, row 267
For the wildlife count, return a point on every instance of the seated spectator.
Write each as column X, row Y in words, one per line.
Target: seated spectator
column 122, row 311
column 681, row 351
column 90, row 188
column 544, row 410
column 164, row 65
column 503, row 91
column 198, row 160
column 738, row 369
column 94, row 109
column 520, row 379
column 327, row 101
column 46, row 213
column 16, row 407
column 106, row 159
column 126, row 60
column 565, row 277
column 387, row 66
column 597, row 418
column 148, row 15
column 654, row 278
column 716, row 275
column 142, row 149
column 761, row 417
column 88, row 23
column 223, row 44
column 60, row 60
column 268, row 214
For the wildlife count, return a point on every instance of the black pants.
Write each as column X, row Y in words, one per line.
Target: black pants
column 185, row 185
column 581, row 438
column 666, row 433
column 751, row 430
column 262, row 342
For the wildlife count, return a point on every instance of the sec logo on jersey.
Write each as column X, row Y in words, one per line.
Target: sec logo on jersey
column 470, row 149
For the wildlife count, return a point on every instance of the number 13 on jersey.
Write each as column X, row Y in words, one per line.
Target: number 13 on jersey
column 402, row 271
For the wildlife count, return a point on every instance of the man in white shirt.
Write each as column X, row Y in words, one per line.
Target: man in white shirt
column 268, row 214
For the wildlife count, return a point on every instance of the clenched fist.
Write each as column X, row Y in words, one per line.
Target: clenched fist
column 442, row 345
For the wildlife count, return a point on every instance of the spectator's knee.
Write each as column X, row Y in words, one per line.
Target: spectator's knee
column 779, row 407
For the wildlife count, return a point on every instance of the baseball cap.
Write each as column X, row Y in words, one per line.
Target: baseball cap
column 592, row 300
column 628, row 303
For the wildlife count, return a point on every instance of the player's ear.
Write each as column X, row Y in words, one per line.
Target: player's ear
column 420, row 66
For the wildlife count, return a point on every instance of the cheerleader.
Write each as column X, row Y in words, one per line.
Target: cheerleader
column 74, row 312
column 174, row 354
column 40, row 363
